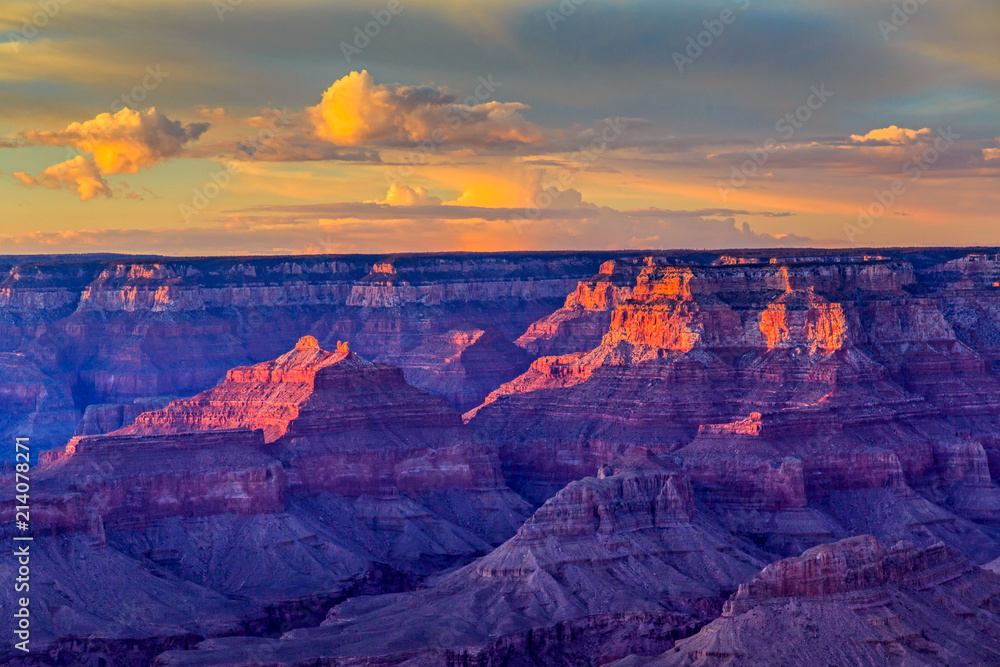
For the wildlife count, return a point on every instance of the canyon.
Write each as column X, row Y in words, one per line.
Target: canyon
column 664, row 458
column 853, row 602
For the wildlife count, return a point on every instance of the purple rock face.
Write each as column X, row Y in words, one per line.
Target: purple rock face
column 674, row 459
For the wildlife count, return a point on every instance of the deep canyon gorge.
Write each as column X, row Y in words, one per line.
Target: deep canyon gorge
column 575, row 458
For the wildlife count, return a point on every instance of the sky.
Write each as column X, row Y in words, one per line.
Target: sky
column 206, row 127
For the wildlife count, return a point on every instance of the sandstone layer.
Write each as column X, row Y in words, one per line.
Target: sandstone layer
column 463, row 365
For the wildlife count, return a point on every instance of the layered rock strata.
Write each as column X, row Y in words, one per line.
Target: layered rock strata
column 463, row 365
column 805, row 395
column 294, row 484
column 582, row 321
column 103, row 418
column 610, row 564
column 854, row 602
column 119, row 329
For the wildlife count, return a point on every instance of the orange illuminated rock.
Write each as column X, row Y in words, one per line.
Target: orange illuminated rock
column 293, row 484
column 805, row 395
column 584, row 318
column 341, row 424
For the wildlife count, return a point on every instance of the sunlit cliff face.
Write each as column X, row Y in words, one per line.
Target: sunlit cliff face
column 820, row 327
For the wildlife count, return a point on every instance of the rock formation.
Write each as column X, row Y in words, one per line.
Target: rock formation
column 463, row 365
column 693, row 416
column 343, row 425
column 611, row 564
column 114, row 330
column 34, row 404
column 851, row 603
column 582, row 321
column 291, row 485
column 103, row 418
column 805, row 395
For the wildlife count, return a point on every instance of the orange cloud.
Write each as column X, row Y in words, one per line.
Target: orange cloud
column 895, row 135
column 992, row 153
column 356, row 111
column 124, row 142
column 78, row 174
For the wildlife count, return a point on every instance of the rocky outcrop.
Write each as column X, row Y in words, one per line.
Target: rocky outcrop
column 106, row 417
column 324, row 416
column 118, row 329
column 292, row 466
column 108, row 328
column 307, row 423
column 854, row 602
column 582, row 321
column 693, row 417
column 34, row 405
column 463, row 365
column 791, row 388
column 612, row 563
column 117, row 481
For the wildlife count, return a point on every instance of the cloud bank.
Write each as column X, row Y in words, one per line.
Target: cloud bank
column 355, row 111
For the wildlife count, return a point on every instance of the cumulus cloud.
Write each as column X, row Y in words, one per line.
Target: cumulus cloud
column 356, row 111
column 78, row 174
column 401, row 194
column 124, row 142
column 121, row 143
column 894, row 136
